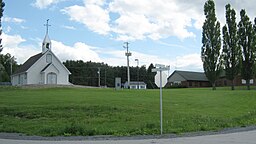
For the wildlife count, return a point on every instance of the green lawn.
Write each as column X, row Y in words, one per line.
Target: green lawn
column 77, row 111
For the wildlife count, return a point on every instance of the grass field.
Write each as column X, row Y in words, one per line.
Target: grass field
column 77, row 111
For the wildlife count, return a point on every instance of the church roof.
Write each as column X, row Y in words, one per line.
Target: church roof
column 191, row 76
column 28, row 63
column 46, row 67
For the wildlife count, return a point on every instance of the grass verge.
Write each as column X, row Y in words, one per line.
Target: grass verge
column 74, row 111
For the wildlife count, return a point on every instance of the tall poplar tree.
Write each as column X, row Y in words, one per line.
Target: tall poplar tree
column 1, row 14
column 211, row 39
column 1, row 47
column 231, row 53
column 247, row 43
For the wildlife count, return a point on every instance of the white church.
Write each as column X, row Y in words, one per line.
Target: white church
column 42, row 68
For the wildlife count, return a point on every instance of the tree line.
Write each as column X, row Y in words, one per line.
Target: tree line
column 238, row 44
column 87, row 73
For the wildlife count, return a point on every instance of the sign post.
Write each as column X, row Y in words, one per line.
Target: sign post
column 161, row 68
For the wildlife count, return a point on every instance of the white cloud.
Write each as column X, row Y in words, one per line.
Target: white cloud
column 137, row 19
column 11, row 41
column 24, row 27
column 12, row 45
column 79, row 51
column 95, row 2
column 189, row 62
column 153, row 19
column 142, row 19
column 13, row 20
column 69, row 27
column 41, row 4
column 92, row 15
column 8, row 29
column 135, row 26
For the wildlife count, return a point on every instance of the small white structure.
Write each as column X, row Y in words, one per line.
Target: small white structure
column 118, row 83
column 136, row 85
column 42, row 68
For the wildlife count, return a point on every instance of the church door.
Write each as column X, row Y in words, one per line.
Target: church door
column 51, row 78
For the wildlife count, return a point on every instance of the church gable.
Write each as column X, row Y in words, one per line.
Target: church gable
column 56, row 62
column 48, row 60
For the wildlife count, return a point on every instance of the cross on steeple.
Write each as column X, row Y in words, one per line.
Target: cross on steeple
column 47, row 26
column 46, row 45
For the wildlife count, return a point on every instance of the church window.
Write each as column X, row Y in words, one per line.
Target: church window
column 48, row 58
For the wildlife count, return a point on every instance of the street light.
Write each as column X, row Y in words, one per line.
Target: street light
column 138, row 73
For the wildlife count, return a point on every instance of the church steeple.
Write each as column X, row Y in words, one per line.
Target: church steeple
column 46, row 45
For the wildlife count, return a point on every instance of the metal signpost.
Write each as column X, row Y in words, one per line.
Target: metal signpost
column 161, row 68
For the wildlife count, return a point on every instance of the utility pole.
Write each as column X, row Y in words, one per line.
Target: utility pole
column 99, row 76
column 105, row 78
column 11, row 63
column 126, row 46
column 138, row 73
column 168, row 70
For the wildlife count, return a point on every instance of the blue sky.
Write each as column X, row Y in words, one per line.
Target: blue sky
column 159, row 31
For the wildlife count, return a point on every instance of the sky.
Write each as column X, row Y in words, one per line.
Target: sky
column 158, row 31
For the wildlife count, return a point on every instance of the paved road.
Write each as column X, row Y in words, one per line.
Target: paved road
column 248, row 137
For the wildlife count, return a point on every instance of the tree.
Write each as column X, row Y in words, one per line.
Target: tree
column 231, row 53
column 1, row 14
column 2, row 72
column 211, row 39
column 7, row 66
column 247, row 43
column 150, row 81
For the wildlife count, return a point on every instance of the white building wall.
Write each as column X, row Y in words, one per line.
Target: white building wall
column 15, row 80
column 19, row 79
column 138, row 87
column 63, row 75
column 34, row 73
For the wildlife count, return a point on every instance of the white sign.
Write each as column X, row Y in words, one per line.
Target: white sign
column 164, row 79
column 160, row 69
column 159, row 65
